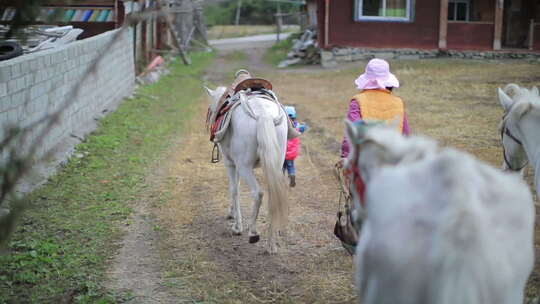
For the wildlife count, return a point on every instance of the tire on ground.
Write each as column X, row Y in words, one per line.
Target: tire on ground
column 9, row 49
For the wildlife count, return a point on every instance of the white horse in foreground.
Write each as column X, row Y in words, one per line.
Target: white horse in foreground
column 257, row 134
column 440, row 227
column 520, row 127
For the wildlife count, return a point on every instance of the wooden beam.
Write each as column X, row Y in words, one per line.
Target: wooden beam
column 498, row 28
column 531, row 34
column 443, row 24
column 326, row 22
column 144, row 40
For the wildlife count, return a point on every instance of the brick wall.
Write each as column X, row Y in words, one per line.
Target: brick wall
column 33, row 85
column 421, row 32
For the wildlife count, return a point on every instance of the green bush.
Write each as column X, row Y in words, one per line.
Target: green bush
column 252, row 12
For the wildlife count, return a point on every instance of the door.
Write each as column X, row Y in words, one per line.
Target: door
column 516, row 22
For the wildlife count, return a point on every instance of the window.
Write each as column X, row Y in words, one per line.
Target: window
column 384, row 10
column 458, row 10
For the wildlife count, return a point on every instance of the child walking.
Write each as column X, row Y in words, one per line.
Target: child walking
column 293, row 147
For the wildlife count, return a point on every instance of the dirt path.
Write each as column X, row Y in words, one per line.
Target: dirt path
column 179, row 245
column 137, row 270
column 207, row 263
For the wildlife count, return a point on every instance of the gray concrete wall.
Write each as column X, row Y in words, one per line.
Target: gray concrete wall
column 34, row 85
column 330, row 58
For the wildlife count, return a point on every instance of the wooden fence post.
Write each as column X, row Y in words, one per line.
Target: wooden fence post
column 499, row 8
column 443, row 25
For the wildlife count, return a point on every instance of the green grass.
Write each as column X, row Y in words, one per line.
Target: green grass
column 278, row 52
column 236, row 56
column 233, row 31
column 63, row 242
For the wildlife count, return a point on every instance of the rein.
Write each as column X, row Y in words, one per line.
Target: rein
column 360, row 186
column 506, row 131
column 357, row 178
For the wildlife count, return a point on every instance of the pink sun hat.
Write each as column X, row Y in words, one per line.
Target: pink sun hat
column 377, row 76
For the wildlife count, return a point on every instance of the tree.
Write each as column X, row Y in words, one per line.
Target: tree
column 252, row 11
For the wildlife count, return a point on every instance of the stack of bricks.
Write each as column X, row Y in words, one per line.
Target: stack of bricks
column 35, row 85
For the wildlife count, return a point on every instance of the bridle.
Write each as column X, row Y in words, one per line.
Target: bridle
column 506, row 131
column 359, row 183
column 355, row 176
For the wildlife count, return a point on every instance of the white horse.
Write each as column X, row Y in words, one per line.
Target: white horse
column 257, row 134
column 441, row 227
column 519, row 129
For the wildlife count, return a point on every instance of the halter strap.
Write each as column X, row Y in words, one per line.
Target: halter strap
column 357, row 178
column 360, row 185
column 505, row 131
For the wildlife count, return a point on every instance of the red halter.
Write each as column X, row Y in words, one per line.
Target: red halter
column 354, row 175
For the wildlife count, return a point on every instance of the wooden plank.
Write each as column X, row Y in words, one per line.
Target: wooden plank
column 115, row 14
column 531, row 34
column 443, row 24
column 326, row 22
column 64, row 2
column 144, row 40
column 498, row 28
column 177, row 44
column 79, row 2
column 161, row 34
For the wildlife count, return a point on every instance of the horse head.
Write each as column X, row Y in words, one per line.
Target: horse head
column 215, row 95
column 375, row 145
column 519, row 105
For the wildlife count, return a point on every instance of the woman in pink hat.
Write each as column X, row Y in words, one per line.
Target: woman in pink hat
column 375, row 100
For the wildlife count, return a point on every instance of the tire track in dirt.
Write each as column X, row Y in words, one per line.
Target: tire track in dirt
column 137, row 270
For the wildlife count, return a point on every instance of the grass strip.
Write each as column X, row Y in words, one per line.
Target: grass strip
column 278, row 52
column 235, row 31
column 63, row 242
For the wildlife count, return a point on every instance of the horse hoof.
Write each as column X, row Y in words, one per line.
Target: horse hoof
column 254, row 239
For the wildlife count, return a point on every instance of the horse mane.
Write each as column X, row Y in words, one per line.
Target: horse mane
column 464, row 250
column 524, row 100
column 519, row 94
column 470, row 193
column 400, row 148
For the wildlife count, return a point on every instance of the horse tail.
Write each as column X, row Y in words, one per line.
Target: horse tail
column 271, row 159
column 462, row 253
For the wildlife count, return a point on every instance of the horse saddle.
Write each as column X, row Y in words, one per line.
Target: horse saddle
column 254, row 84
column 243, row 81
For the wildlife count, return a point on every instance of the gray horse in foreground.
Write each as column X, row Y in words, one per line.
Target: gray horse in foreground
column 440, row 226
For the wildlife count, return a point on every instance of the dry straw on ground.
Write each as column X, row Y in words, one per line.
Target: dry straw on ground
column 451, row 100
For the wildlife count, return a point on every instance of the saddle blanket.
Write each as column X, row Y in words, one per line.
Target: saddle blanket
column 218, row 127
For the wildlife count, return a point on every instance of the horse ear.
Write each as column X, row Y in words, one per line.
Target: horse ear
column 521, row 109
column 208, row 91
column 505, row 100
column 350, row 130
column 395, row 123
column 534, row 91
